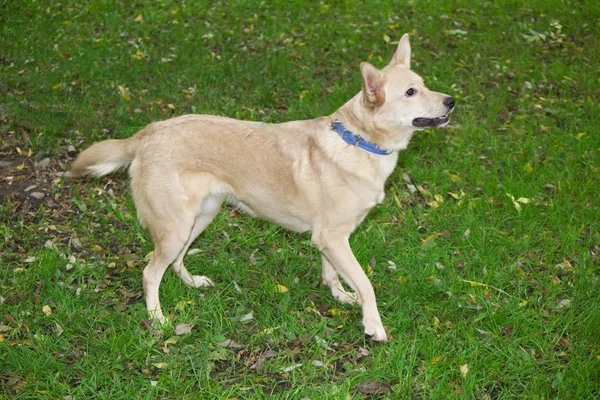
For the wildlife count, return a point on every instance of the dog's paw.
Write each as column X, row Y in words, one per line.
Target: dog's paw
column 158, row 317
column 378, row 334
column 343, row 296
column 201, row 281
column 374, row 329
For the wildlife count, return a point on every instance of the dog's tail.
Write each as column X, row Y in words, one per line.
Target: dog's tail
column 103, row 158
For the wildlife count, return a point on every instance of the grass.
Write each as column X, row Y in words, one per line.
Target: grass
column 486, row 301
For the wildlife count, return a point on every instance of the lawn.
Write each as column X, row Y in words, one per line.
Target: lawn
column 485, row 255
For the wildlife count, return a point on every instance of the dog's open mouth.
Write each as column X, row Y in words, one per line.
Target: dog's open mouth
column 430, row 122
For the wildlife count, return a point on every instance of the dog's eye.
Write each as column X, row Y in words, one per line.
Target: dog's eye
column 410, row 92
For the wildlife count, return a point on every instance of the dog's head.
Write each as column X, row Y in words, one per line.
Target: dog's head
column 396, row 100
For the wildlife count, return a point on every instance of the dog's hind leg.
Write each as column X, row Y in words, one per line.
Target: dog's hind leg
column 210, row 208
column 168, row 244
column 331, row 279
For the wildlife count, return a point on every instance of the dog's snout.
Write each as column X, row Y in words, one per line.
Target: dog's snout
column 449, row 102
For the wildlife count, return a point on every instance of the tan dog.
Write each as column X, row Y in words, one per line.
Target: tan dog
column 303, row 175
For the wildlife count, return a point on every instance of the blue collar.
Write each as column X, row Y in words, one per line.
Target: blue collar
column 356, row 140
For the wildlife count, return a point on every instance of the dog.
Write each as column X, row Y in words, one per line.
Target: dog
column 320, row 176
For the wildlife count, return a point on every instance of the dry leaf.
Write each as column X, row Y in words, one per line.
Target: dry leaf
column 47, row 310
column 373, row 387
column 230, row 344
column 464, row 370
column 290, row 368
column 139, row 18
column 182, row 329
column 58, row 329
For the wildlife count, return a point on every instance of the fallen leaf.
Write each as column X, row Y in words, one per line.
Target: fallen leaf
column 182, row 329
column 247, row 317
column 139, row 18
column 281, row 288
column 58, row 329
column 290, row 368
column 373, row 387
column 47, row 310
column 362, row 353
column 464, row 370
column 237, row 287
column 124, row 92
column 230, row 344
column 564, row 304
column 160, row 365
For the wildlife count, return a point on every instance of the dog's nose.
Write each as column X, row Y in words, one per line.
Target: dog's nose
column 449, row 102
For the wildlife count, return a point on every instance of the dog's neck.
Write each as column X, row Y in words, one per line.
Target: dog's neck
column 356, row 140
column 359, row 118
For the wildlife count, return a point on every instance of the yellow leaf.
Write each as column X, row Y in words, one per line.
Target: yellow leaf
column 598, row 356
column 303, row 94
column 124, row 92
column 386, row 38
column 172, row 340
column 453, row 177
column 57, row 86
column 160, row 365
column 438, row 198
column 523, row 303
column 581, row 134
column 528, row 168
column 96, row 248
column 435, row 360
column 281, row 288
column 47, row 310
column 457, row 196
column 567, row 263
column 464, row 370
column 139, row 18
column 1, row 338
column 20, row 167
column 171, row 106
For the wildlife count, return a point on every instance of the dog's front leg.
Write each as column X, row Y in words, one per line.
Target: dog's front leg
column 336, row 249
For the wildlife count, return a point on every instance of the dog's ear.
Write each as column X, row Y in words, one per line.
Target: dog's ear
column 372, row 84
column 402, row 54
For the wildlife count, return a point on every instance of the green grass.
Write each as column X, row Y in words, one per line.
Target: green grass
column 511, row 294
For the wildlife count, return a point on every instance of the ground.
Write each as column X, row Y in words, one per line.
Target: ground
column 485, row 254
